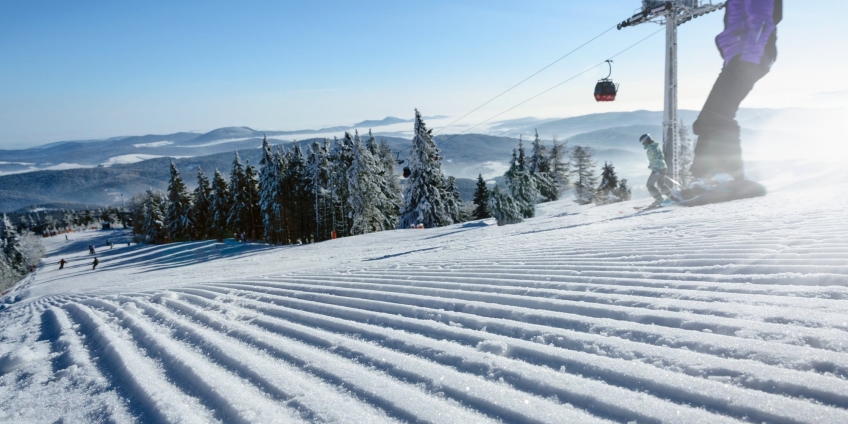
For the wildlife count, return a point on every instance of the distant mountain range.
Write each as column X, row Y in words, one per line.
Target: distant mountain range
column 98, row 171
column 117, row 150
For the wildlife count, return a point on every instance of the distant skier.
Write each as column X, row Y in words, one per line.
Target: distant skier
column 62, row 263
column 94, row 264
column 90, row 249
column 658, row 181
column 748, row 45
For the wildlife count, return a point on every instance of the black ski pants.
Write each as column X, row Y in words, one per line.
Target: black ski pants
column 719, row 148
column 657, row 183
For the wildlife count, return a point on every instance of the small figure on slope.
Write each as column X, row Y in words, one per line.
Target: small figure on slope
column 62, row 263
column 658, row 181
column 94, row 264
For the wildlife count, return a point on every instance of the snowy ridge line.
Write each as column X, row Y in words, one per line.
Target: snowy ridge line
column 557, row 300
column 196, row 377
column 528, row 372
column 150, row 396
column 707, row 343
column 426, row 362
column 594, row 293
column 315, row 400
column 523, row 309
column 403, row 398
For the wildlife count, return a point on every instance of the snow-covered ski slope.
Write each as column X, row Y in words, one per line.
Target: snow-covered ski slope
column 721, row 313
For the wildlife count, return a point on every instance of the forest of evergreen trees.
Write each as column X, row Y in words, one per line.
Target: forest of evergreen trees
column 336, row 189
column 543, row 177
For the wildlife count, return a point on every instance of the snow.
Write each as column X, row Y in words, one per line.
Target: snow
column 721, row 313
column 153, row 144
column 133, row 158
column 50, row 167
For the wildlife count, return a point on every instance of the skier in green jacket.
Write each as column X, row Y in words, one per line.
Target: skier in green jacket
column 657, row 182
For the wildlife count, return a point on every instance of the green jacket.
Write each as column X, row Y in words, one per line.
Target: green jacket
column 655, row 157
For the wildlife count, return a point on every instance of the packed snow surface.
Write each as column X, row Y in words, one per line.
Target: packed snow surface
column 153, row 144
column 721, row 313
column 132, row 158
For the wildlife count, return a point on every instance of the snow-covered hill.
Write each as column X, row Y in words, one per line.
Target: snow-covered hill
column 733, row 312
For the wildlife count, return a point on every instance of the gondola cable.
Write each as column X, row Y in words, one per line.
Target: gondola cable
column 406, row 172
column 552, row 88
column 526, row 79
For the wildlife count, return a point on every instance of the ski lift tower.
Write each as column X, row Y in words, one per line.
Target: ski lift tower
column 671, row 14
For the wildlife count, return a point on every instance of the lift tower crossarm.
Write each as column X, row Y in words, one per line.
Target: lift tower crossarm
column 671, row 14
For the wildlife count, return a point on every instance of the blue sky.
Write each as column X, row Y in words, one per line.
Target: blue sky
column 95, row 69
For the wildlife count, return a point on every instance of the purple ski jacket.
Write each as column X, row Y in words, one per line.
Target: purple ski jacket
column 750, row 28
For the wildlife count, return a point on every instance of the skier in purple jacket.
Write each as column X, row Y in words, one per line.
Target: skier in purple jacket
column 748, row 45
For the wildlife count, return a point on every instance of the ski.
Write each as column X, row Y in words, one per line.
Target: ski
column 726, row 192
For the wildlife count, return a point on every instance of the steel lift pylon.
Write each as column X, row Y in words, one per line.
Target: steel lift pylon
column 671, row 14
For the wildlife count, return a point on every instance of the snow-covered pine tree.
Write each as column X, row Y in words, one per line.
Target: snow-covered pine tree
column 180, row 226
column 522, row 185
column 137, row 211
column 686, row 155
column 67, row 220
column 114, row 217
column 372, row 145
column 385, row 178
column 341, row 159
column 454, row 201
column 251, row 180
column 87, row 218
column 583, row 171
column 154, row 227
column 7, row 275
column 424, row 200
column 298, row 189
column 503, row 207
column 269, row 185
column 31, row 248
column 606, row 192
column 49, row 222
column 560, row 169
column 388, row 181
column 623, row 191
column 220, row 206
column 389, row 163
column 238, row 220
column 540, row 168
column 77, row 218
column 318, row 169
column 365, row 194
column 281, row 202
column 201, row 210
column 11, row 247
column 481, row 199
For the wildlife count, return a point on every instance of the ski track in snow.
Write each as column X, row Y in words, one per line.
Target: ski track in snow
column 722, row 313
